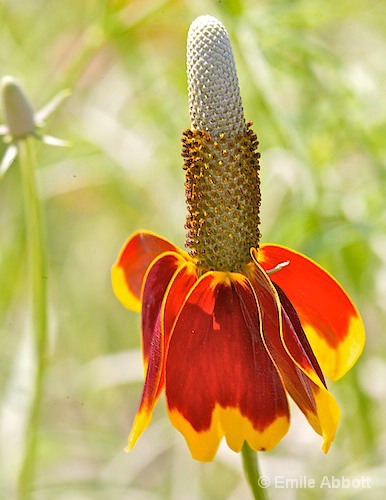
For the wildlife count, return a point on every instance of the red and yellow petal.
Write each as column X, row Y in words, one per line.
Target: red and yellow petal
column 134, row 259
column 178, row 287
column 331, row 321
column 297, row 366
column 177, row 293
column 220, row 380
column 151, row 389
column 315, row 401
column 294, row 341
column 157, row 279
column 175, row 296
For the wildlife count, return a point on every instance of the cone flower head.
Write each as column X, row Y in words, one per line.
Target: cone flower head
column 232, row 328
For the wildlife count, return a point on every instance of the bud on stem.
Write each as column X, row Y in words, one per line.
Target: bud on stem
column 19, row 115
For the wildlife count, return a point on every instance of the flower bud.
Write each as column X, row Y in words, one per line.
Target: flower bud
column 18, row 112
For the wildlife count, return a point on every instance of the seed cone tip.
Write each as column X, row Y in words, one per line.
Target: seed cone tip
column 214, row 96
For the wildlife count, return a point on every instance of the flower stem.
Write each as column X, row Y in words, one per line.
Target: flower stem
column 256, row 482
column 37, row 275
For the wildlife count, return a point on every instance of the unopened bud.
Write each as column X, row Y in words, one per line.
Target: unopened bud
column 18, row 112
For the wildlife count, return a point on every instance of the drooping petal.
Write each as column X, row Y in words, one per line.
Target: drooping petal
column 315, row 401
column 299, row 370
column 177, row 293
column 135, row 257
column 151, row 389
column 156, row 282
column 181, row 282
column 220, row 380
column 331, row 321
column 294, row 341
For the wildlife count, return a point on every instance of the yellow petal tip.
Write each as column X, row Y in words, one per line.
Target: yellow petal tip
column 141, row 421
column 326, row 445
column 121, row 290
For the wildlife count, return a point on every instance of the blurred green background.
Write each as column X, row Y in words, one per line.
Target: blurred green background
column 312, row 76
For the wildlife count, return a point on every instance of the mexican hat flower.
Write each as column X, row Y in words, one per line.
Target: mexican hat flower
column 232, row 327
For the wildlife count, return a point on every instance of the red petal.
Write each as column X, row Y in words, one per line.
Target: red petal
column 294, row 341
column 174, row 296
column 298, row 367
column 314, row 400
column 331, row 321
column 220, row 379
column 157, row 280
column 177, row 293
column 134, row 259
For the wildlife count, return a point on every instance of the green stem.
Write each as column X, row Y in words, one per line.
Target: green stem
column 257, row 483
column 37, row 275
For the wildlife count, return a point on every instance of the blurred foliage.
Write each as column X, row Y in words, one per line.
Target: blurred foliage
column 312, row 77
